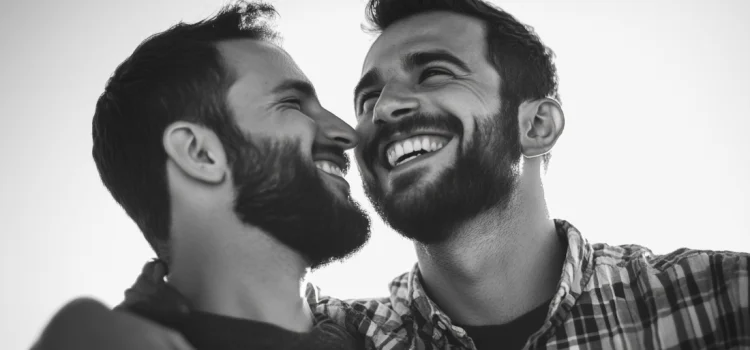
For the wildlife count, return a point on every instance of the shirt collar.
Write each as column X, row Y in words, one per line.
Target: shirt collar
column 152, row 298
column 576, row 271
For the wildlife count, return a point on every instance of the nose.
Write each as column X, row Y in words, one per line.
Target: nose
column 335, row 132
column 395, row 102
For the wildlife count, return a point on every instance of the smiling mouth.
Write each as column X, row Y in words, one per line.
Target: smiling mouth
column 329, row 167
column 406, row 150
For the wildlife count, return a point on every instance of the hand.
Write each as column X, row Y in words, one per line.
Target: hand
column 152, row 297
column 87, row 324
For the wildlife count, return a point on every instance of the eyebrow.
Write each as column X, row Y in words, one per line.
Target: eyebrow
column 300, row 86
column 421, row 58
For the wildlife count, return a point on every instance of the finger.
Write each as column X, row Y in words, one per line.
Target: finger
column 153, row 271
column 159, row 270
column 150, row 278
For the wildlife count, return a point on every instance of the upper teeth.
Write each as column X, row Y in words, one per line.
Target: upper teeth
column 329, row 167
column 413, row 144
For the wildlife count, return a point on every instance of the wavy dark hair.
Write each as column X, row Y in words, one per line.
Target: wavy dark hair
column 525, row 65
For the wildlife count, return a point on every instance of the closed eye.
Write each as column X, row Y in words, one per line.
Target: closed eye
column 435, row 74
column 367, row 101
column 293, row 102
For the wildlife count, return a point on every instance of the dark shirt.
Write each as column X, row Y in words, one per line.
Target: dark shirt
column 608, row 297
column 509, row 336
column 211, row 331
column 207, row 331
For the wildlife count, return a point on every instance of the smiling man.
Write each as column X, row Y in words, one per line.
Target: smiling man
column 458, row 111
column 214, row 142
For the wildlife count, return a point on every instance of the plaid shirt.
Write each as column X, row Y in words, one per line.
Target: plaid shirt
column 609, row 297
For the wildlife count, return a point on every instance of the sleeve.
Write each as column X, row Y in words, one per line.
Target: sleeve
column 736, row 308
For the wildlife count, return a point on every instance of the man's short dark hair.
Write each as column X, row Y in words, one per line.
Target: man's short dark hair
column 176, row 75
column 523, row 62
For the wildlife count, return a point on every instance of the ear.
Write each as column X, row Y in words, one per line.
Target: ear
column 541, row 122
column 197, row 151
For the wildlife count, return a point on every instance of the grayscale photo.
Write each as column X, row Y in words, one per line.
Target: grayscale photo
column 376, row 174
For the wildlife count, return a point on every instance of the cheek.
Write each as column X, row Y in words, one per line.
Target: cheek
column 364, row 126
column 463, row 99
column 468, row 107
column 364, row 171
column 297, row 127
column 365, row 131
column 359, row 158
column 367, row 141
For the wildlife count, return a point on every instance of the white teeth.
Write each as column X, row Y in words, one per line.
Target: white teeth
column 408, row 147
column 413, row 144
column 417, row 144
column 399, row 150
column 328, row 167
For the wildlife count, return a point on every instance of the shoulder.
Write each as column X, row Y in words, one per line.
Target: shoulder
column 722, row 265
column 702, row 261
column 699, row 261
column 354, row 312
column 380, row 308
column 372, row 319
column 359, row 311
column 620, row 255
column 718, row 272
column 687, row 272
column 384, row 320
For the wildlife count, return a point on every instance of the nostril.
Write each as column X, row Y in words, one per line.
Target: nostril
column 401, row 112
column 342, row 140
column 345, row 142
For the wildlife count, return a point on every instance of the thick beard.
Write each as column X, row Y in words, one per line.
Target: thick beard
column 281, row 193
column 483, row 176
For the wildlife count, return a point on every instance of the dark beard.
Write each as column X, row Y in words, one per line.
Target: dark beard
column 281, row 193
column 482, row 177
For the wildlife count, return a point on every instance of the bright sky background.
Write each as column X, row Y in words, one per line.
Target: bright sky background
column 655, row 150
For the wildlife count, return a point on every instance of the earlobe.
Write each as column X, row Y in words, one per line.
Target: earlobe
column 196, row 151
column 541, row 122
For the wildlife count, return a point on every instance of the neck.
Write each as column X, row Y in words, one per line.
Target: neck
column 239, row 271
column 497, row 266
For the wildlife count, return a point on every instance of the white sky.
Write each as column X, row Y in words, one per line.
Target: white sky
column 655, row 150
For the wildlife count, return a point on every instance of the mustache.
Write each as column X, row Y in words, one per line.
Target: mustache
column 410, row 124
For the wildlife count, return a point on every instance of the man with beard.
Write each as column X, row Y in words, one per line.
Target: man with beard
column 457, row 112
column 214, row 142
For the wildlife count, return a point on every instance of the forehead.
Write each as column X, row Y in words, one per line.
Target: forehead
column 258, row 66
column 461, row 35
